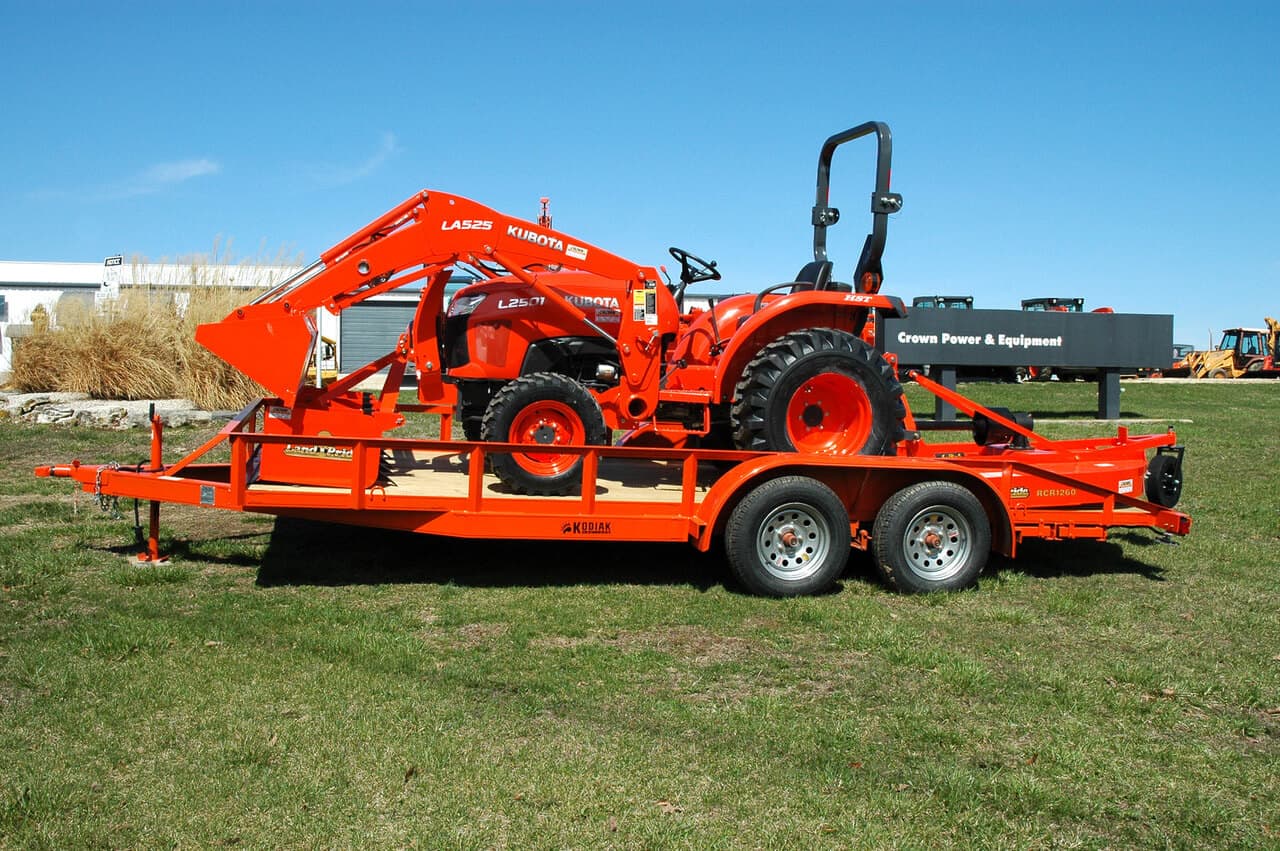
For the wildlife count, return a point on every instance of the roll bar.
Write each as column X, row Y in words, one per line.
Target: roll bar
column 883, row 202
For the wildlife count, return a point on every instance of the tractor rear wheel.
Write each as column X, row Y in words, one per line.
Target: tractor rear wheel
column 819, row 391
column 551, row 410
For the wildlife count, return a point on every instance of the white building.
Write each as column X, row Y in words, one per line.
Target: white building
column 362, row 332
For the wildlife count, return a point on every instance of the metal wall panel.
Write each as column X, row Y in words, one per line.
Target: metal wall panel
column 370, row 330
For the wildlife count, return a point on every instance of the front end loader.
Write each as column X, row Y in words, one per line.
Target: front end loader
column 563, row 343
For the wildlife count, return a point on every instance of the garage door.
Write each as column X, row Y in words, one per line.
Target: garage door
column 370, row 330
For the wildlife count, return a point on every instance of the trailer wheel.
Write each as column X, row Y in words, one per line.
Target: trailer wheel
column 1163, row 481
column 788, row 537
column 819, row 391
column 931, row 536
column 548, row 409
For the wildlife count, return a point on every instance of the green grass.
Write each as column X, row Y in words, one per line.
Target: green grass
column 286, row 684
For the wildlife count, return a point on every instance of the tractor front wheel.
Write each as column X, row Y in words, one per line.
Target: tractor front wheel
column 550, row 410
column 819, row 391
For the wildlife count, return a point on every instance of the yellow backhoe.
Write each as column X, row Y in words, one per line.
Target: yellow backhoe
column 1243, row 353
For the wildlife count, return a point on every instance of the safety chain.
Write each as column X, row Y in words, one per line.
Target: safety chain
column 107, row 503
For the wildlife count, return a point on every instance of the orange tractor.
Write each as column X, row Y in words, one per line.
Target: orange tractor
column 562, row 343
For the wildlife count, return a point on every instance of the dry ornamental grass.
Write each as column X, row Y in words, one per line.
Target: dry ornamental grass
column 139, row 346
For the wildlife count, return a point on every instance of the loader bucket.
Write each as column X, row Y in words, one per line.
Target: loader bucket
column 266, row 343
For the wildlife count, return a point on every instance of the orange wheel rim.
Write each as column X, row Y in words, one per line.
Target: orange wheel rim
column 829, row 414
column 548, row 423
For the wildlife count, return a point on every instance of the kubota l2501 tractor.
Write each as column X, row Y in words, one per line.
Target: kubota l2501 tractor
column 561, row 342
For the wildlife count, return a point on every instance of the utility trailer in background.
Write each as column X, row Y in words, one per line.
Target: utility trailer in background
column 930, row 514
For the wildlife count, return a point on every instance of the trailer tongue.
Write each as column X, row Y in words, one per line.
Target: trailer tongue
column 930, row 514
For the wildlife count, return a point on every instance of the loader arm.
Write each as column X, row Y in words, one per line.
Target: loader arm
column 422, row 239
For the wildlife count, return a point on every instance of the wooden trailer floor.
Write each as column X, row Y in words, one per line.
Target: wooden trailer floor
column 444, row 474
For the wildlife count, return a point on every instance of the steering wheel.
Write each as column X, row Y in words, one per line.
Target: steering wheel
column 693, row 269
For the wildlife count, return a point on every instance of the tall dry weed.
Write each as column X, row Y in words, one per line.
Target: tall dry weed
column 37, row 363
column 204, row 378
column 142, row 345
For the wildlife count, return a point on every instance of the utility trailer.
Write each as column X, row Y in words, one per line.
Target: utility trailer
column 929, row 514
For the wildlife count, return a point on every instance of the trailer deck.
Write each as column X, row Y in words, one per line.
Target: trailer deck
column 990, row 496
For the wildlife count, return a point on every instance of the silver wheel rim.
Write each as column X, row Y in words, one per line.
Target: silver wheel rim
column 937, row 543
column 793, row 541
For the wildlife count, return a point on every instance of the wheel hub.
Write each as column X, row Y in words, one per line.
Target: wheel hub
column 931, row 540
column 812, row 415
column 793, row 541
column 937, row 542
column 789, row 541
column 544, row 432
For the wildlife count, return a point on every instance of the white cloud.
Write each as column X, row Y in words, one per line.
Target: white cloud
column 329, row 175
column 149, row 181
column 163, row 174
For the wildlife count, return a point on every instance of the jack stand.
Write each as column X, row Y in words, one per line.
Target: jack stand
column 151, row 555
column 1163, row 537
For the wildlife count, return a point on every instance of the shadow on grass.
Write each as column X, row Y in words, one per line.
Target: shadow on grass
column 189, row 551
column 303, row 552
column 1089, row 414
column 1057, row 559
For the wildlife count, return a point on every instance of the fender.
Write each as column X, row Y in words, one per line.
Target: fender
column 792, row 312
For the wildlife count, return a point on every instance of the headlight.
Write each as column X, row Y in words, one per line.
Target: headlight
column 463, row 305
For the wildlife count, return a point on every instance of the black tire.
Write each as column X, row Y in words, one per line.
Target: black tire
column 543, row 408
column 788, row 537
column 1163, row 480
column 931, row 536
column 472, row 423
column 1219, row 373
column 770, row 414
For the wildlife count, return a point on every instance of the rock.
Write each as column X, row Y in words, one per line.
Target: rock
column 51, row 414
column 29, row 404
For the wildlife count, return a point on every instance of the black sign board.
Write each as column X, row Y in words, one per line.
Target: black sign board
column 1035, row 338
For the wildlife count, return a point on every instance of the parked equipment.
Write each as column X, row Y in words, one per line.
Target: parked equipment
column 1242, row 353
column 944, row 302
column 563, row 342
column 1179, row 368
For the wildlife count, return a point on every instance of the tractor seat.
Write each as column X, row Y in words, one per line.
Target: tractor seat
column 817, row 274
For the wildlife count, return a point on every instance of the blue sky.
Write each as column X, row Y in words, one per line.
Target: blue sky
column 1123, row 152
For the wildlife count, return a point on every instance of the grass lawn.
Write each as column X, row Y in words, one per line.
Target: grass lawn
column 286, row 684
